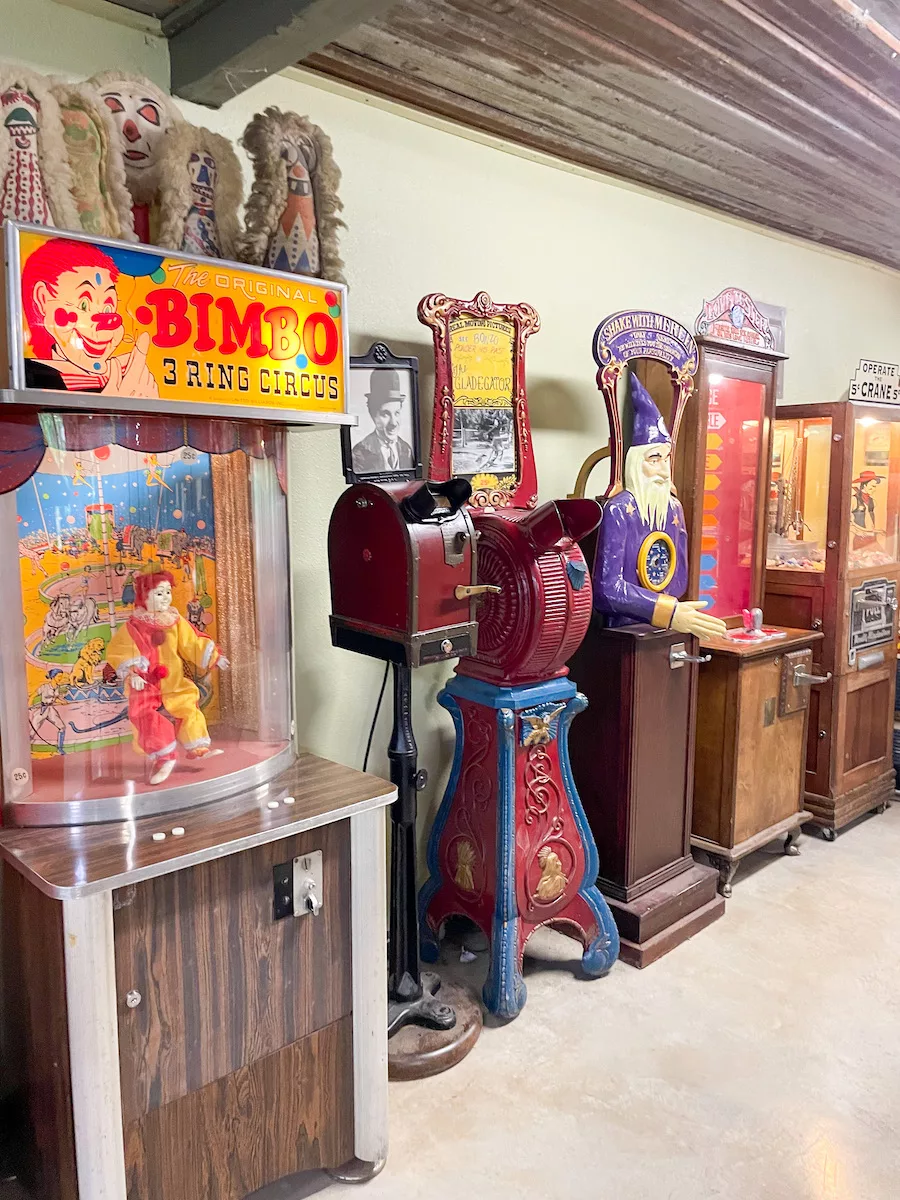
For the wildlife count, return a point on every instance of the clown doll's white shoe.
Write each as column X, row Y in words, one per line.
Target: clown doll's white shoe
column 203, row 752
column 163, row 771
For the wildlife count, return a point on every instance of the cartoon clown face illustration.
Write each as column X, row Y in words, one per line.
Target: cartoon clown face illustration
column 71, row 305
column 80, row 315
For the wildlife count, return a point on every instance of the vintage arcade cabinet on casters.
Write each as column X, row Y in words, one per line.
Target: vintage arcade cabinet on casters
column 510, row 847
column 192, row 907
column 833, row 563
column 754, row 694
column 633, row 750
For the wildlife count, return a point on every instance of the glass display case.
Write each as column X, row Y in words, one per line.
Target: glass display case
column 725, row 444
column 129, row 705
column 833, row 563
column 875, row 492
column 145, row 658
column 798, row 494
column 754, row 693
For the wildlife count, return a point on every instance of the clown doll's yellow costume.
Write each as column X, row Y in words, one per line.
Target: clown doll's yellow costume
column 149, row 653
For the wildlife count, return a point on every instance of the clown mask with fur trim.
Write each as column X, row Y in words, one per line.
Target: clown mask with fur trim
column 143, row 115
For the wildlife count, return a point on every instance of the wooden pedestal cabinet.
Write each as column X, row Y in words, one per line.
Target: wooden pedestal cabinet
column 632, row 759
column 751, row 734
column 175, row 1041
column 751, row 718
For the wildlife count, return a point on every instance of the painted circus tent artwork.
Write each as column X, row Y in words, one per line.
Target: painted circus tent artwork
column 87, row 521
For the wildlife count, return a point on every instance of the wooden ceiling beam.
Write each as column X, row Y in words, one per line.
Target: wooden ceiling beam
column 237, row 44
column 785, row 112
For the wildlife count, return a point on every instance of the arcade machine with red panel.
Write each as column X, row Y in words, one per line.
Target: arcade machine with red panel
column 510, row 848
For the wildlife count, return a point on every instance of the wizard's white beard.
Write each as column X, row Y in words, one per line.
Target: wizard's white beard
column 652, row 495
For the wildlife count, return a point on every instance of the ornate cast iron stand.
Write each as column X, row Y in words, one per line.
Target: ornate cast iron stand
column 511, row 848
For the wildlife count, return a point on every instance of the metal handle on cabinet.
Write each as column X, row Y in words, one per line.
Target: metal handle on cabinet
column 802, row 679
column 464, row 590
column 133, row 999
column 678, row 655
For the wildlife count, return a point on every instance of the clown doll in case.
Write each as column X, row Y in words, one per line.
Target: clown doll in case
column 155, row 654
column 145, row 638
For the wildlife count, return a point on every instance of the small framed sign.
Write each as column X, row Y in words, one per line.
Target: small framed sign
column 383, row 392
column 481, row 430
column 634, row 334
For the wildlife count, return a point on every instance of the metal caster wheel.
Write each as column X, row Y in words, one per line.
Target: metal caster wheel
column 356, row 1171
column 829, row 834
column 790, row 843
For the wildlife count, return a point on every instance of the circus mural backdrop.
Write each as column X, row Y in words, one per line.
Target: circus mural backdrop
column 87, row 521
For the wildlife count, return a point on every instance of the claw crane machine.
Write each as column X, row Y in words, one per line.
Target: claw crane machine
column 182, row 884
column 754, row 693
column 833, row 564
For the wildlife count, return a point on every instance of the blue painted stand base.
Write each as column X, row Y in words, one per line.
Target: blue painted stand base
column 511, row 848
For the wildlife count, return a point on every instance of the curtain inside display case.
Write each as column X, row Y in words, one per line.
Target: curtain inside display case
column 238, row 687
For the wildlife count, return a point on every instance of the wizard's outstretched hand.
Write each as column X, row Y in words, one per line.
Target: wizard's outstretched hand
column 688, row 618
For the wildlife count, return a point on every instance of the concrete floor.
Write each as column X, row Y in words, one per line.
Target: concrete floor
column 759, row 1060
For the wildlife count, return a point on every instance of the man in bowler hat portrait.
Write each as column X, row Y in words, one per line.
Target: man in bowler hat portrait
column 384, row 449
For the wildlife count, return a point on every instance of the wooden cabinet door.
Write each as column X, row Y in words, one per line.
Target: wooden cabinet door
column 221, row 983
column 632, row 753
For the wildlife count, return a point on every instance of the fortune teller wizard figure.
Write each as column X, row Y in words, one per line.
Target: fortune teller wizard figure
column 641, row 566
column 149, row 653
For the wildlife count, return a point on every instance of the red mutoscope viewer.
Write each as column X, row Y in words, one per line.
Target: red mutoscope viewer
column 510, row 847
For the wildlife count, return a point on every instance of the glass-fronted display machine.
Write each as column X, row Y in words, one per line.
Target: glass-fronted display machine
column 754, row 692
column 833, row 563
column 160, row 822
column 143, row 683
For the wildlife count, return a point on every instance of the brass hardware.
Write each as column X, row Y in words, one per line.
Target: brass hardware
column 464, row 590
column 816, row 624
column 586, row 467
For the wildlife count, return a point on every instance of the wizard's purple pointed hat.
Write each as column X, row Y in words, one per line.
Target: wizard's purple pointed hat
column 649, row 427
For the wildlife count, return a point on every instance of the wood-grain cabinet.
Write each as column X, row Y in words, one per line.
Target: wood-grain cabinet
column 750, row 745
column 173, row 1038
column 833, row 564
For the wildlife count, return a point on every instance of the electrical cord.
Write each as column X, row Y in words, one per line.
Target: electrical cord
column 387, row 666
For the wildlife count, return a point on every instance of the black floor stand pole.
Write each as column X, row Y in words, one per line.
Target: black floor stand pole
column 411, row 994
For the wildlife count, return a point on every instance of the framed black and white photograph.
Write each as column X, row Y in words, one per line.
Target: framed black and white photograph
column 383, row 393
column 484, row 441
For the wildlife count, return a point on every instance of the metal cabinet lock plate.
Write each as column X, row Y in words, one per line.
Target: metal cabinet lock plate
column 308, row 884
column 796, row 667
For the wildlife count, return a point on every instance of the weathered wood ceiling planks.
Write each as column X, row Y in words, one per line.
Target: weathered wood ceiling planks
column 786, row 112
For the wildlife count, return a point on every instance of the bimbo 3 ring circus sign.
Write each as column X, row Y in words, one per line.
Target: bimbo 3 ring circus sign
column 100, row 321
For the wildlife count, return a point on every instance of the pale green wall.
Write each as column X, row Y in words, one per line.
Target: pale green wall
column 428, row 209
column 63, row 40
